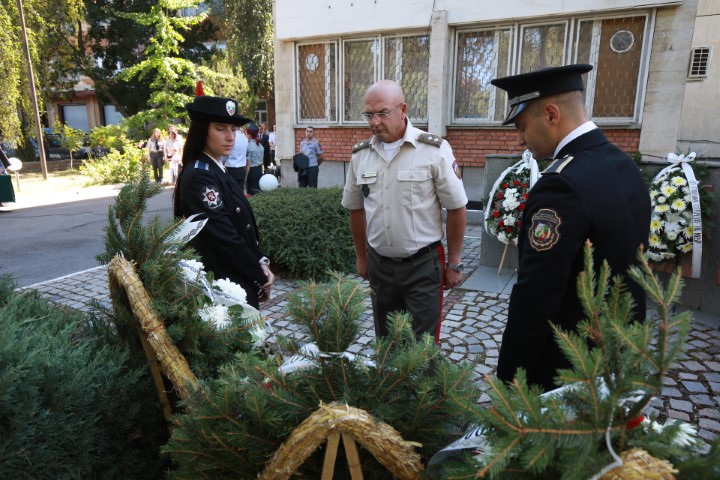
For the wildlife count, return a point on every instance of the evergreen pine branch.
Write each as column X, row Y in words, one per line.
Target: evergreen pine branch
column 617, row 366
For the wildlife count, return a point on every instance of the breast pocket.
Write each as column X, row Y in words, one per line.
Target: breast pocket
column 415, row 184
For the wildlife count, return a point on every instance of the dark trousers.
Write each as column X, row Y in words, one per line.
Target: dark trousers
column 253, row 180
column 413, row 286
column 310, row 178
column 238, row 174
column 157, row 159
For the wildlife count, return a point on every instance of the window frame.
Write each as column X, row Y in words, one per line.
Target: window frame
column 379, row 46
column 571, row 49
column 328, row 103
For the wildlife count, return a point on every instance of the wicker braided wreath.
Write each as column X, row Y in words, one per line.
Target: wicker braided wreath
column 329, row 422
column 172, row 363
column 354, row 424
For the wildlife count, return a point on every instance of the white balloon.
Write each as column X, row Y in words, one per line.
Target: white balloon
column 15, row 164
column 268, row 182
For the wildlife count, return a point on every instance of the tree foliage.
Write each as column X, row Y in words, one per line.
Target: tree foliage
column 249, row 28
column 69, row 401
column 244, row 415
column 618, row 366
column 52, row 45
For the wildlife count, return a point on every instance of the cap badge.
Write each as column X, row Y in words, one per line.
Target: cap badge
column 230, row 107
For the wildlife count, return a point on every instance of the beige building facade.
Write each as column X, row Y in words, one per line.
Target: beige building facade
column 654, row 89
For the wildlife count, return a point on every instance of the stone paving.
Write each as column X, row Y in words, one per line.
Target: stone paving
column 472, row 331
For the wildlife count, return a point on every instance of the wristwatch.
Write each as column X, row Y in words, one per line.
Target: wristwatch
column 458, row 267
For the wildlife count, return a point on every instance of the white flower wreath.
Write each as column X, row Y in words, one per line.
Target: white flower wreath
column 504, row 209
column 221, row 294
column 676, row 221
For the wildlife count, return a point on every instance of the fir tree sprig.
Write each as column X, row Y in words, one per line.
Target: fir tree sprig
column 618, row 366
column 253, row 407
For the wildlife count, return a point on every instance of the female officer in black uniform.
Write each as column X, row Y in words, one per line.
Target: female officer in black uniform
column 228, row 245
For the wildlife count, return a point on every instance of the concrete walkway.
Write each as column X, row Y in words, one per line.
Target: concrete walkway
column 475, row 317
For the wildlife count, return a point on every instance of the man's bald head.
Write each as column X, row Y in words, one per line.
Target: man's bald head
column 388, row 90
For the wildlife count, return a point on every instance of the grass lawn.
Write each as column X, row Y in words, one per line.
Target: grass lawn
column 34, row 183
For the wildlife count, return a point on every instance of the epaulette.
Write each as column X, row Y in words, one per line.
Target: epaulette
column 200, row 165
column 359, row 146
column 430, row 139
column 557, row 165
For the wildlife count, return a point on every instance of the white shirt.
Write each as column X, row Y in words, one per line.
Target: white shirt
column 582, row 129
column 237, row 157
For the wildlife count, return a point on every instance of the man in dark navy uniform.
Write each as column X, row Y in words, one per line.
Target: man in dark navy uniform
column 592, row 191
column 229, row 242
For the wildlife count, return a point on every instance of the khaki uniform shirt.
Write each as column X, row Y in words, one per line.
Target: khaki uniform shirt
column 403, row 197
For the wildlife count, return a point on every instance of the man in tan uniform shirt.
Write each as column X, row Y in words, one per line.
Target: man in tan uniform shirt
column 397, row 183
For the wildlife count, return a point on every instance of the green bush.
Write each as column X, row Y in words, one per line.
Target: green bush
column 115, row 167
column 305, row 231
column 70, row 406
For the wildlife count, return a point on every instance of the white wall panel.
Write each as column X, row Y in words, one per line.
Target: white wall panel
column 317, row 18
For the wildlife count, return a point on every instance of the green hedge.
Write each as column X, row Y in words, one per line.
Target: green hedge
column 305, row 231
column 115, row 167
column 70, row 406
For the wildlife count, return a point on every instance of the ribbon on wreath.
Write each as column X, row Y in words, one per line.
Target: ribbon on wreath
column 527, row 162
column 683, row 162
column 308, row 356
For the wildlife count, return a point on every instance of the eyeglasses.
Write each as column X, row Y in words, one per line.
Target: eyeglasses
column 367, row 116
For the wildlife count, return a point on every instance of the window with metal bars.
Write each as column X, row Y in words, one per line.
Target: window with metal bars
column 360, row 63
column 699, row 61
column 614, row 46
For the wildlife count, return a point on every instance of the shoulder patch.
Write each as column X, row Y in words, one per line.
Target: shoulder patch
column 557, row 165
column 200, row 165
column 544, row 231
column 430, row 139
column 212, row 197
column 359, row 146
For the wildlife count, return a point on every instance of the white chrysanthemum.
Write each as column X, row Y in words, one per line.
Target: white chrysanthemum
column 662, row 208
column 668, row 189
column 688, row 231
column 502, row 237
column 678, row 181
column 675, row 221
column 661, row 199
column 216, row 315
column 672, row 236
column 511, row 200
column 686, row 247
column 654, row 193
column 655, row 224
column 509, row 219
column 678, row 205
column 654, row 241
column 232, row 290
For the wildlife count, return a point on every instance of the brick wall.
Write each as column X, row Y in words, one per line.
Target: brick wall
column 469, row 145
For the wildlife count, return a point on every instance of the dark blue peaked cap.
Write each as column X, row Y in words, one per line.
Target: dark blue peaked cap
column 526, row 87
column 206, row 108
